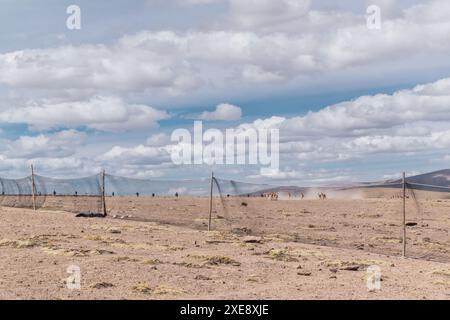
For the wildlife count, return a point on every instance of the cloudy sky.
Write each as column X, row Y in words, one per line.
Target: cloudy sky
column 351, row 103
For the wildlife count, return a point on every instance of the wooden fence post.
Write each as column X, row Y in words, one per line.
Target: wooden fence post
column 103, row 194
column 404, row 214
column 33, row 188
column 210, row 201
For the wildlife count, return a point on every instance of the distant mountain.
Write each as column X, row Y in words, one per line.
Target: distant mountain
column 434, row 181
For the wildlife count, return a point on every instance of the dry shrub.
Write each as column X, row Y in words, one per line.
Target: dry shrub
column 168, row 290
column 141, row 288
column 217, row 260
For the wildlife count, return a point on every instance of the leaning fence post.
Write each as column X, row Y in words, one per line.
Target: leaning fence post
column 33, row 188
column 404, row 214
column 103, row 194
column 210, row 201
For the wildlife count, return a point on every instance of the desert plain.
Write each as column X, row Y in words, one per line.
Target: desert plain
column 159, row 248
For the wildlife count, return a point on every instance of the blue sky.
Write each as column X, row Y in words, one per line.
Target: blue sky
column 346, row 99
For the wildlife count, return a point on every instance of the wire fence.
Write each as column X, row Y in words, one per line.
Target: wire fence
column 365, row 216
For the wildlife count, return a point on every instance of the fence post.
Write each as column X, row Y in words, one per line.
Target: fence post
column 33, row 188
column 404, row 214
column 103, row 194
column 210, row 201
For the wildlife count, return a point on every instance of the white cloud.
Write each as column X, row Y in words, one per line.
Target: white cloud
column 102, row 113
column 408, row 121
column 366, row 114
column 60, row 144
column 403, row 123
column 139, row 155
column 308, row 42
column 414, row 121
column 76, row 167
column 223, row 112
column 257, row 13
column 56, row 154
column 258, row 46
column 158, row 140
column 119, row 68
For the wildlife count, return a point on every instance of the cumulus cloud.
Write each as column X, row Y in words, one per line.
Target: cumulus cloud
column 338, row 133
column 55, row 154
column 366, row 114
column 158, row 139
column 223, row 112
column 256, row 13
column 310, row 42
column 257, row 45
column 119, row 68
column 415, row 120
column 139, row 155
column 407, row 121
column 102, row 113
column 60, row 144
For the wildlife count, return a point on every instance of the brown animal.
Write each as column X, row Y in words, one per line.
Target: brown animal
column 322, row 196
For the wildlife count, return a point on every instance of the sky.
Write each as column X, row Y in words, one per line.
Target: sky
column 351, row 103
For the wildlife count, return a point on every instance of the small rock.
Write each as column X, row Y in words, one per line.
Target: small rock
column 101, row 285
column 201, row 277
column 114, row 230
column 251, row 239
column 304, row 273
column 351, row 268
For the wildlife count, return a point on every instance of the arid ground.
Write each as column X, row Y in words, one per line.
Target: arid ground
column 159, row 248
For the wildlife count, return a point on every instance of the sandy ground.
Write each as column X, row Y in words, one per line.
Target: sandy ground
column 308, row 249
column 371, row 224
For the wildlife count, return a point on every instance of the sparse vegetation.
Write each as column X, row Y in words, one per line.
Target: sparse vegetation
column 442, row 272
column 191, row 263
column 141, row 288
column 19, row 244
column 152, row 261
column 168, row 290
column 101, row 285
column 124, row 259
column 56, row 251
